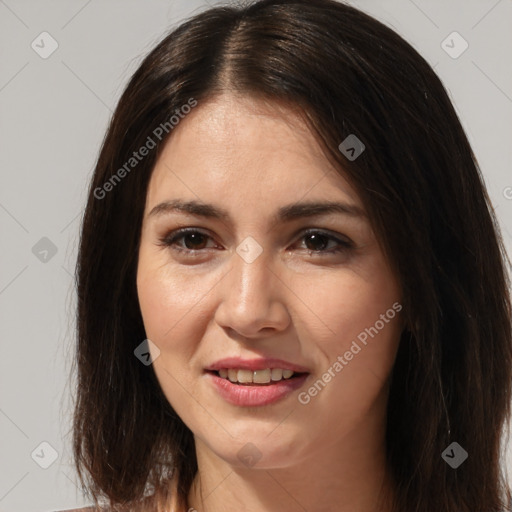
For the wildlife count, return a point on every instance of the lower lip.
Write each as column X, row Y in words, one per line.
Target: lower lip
column 257, row 395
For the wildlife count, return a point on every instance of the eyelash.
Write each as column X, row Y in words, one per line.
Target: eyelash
column 170, row 240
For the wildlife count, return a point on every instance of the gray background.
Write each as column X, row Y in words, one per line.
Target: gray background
column 53, row 115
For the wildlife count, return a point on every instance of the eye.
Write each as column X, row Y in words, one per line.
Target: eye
column 192, row 240
column 317, row 241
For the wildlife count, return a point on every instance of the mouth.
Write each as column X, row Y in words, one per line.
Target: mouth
column 265, row 377
column 255, row 382
column 255, row 388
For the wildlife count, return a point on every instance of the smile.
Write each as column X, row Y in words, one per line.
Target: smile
column 241, row 387
column 240, row 376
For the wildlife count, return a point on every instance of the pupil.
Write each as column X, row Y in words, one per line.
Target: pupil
column 316, row 240
column 196, row 239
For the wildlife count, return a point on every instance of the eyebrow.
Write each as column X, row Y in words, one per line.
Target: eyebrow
column 284, row 214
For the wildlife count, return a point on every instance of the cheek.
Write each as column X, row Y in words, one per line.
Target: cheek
column 173, row 305
column 361, row 322
column 351, row 302
column 168, row 299
column 169, row 306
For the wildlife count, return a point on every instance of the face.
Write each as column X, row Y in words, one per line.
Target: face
column 262, row 282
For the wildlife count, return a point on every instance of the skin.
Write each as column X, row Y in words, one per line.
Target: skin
column 303, row 306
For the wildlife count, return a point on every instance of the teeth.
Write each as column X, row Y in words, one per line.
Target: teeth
column 277, row 374
column 261, row 376
column 244, row 376
column 256, row 377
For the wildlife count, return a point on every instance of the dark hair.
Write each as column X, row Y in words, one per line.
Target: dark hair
column 346, row 73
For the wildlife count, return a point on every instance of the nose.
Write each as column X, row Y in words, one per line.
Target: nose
column 252, row 299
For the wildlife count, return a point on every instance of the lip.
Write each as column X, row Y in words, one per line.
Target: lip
column 255, row 364
column 255, row 395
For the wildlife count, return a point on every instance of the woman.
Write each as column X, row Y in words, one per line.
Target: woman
column 292, row 286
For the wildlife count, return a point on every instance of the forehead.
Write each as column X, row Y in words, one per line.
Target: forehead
column 248, row 151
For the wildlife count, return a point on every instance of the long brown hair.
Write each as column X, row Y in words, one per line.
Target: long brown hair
column 420, row 183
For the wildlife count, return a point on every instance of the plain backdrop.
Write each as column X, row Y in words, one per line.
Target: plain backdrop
column 54, row 110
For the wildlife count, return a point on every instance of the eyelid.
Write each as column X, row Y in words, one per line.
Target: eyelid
column 176, row 234
column 342, row 241
column 338, row 237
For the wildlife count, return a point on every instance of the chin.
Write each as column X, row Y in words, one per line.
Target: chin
column 261, row 451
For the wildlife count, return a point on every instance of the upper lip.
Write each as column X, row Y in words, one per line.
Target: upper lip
column 255, row 364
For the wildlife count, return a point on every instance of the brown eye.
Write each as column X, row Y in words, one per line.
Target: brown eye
column 186, row 240
column 318, row 242
column 194, row 241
